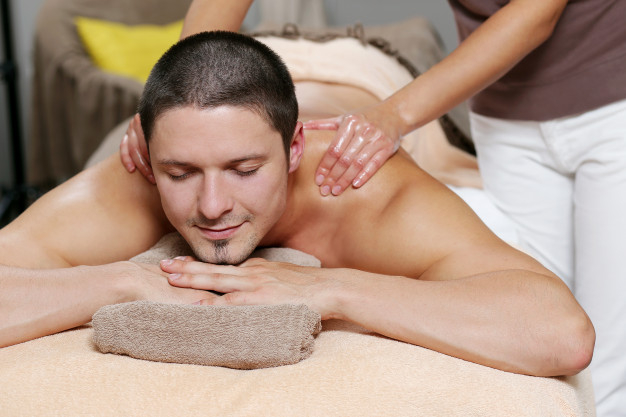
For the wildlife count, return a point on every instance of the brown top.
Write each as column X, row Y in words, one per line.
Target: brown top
column 581, row 67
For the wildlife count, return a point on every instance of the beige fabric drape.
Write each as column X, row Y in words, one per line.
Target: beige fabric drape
column 309, row 13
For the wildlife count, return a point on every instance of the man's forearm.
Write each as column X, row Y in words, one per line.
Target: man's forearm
column 517, row 321
column 35, row 303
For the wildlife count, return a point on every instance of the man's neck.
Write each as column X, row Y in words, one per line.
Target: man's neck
column 306, row 213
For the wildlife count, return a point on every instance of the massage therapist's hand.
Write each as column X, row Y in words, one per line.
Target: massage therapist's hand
column 134, row 151
column 363, row 143
column 254, row 282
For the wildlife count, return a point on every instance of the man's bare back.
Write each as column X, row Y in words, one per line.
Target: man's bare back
column 392, row 225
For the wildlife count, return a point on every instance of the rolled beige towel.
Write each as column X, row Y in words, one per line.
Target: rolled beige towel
column 241, row 337
column 173, row 244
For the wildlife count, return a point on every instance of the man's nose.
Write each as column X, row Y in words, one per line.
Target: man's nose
column 214, row 199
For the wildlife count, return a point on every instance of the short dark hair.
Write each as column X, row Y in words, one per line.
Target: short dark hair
column 219, row 68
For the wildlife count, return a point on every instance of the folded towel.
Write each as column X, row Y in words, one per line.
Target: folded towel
column 173, row 244
column 241, row 337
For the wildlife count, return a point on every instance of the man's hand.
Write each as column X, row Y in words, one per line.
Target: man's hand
column 154, row 286
column 134, row 151
column 363, row 143
column 254, row 282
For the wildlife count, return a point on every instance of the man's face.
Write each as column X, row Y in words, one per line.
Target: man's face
column 222, row 177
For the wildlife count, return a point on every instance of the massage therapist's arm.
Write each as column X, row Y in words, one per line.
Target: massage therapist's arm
column 51, row 272
column 365, row 140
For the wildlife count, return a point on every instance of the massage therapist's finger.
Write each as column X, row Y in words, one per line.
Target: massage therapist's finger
column 372, row 157
column 137, row 148
column 125, row 148
column 346, row 138
column 127, row 161
column 371, row 167
column 331, row 123
column 354, row 174
column 353, row 161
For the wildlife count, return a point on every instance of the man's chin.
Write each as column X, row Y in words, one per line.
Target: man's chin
column 219, row 254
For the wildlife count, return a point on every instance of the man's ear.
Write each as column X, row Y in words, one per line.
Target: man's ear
column 296, row 148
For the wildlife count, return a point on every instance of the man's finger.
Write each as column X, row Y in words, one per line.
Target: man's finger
column 252, row 262
column 234, row 299
column 223, row 283
column 183, row 266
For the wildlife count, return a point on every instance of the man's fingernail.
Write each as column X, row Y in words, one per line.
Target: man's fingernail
column 174, row 276
column 181, row 258
column 319, row 180
column 325, row 190
column 336, row 190
column 167, row 262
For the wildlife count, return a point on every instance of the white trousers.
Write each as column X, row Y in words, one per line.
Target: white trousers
column 563, row 184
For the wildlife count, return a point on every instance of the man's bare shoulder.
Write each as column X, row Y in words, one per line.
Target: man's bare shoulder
column 400, row 222
column 101, row 215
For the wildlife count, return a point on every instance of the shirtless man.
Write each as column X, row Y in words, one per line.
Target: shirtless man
column 403, row 256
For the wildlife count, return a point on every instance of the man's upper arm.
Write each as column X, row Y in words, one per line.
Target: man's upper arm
column 101, row 215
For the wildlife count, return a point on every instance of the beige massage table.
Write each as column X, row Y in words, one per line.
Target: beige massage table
column 351, row 372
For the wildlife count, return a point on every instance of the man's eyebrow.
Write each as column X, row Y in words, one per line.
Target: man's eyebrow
column 247, row 158
column 251, row 157
column 172, row 162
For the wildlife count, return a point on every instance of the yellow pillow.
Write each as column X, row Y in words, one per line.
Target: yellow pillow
column 126, row 50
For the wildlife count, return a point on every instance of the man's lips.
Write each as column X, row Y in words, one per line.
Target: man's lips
column 218, row 233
